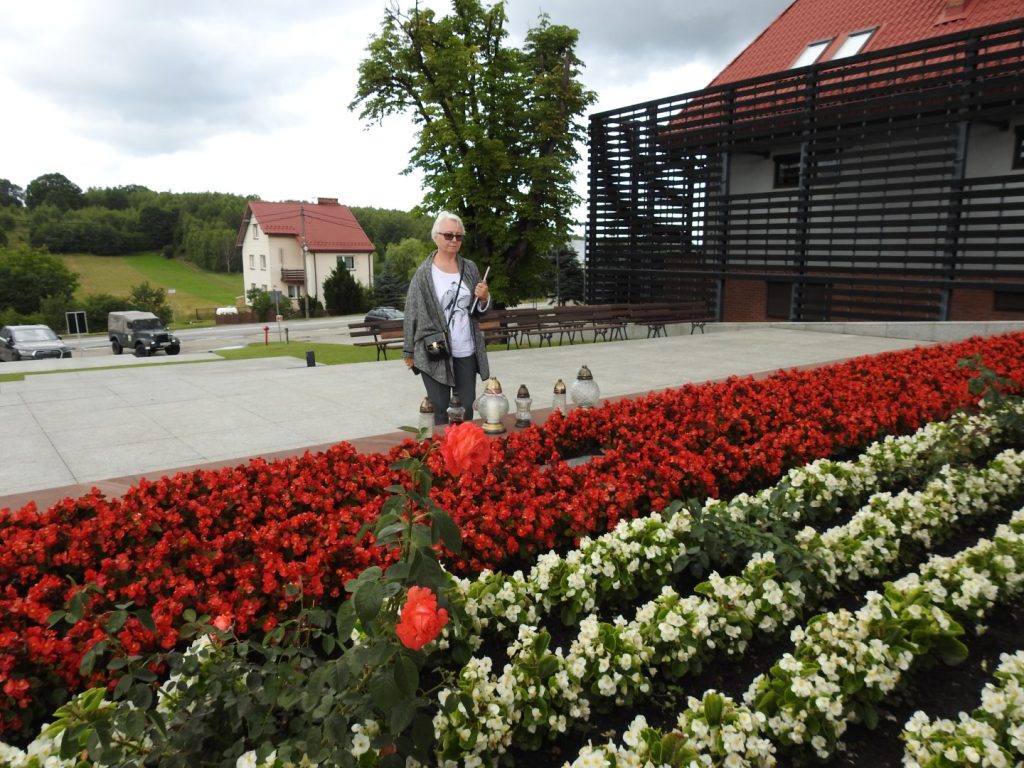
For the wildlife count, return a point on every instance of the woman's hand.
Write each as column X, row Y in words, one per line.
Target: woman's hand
column 408, row 362
column 482, row 292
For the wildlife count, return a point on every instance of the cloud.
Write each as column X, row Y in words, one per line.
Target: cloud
column 251, row 96
column 624, row 41
column 163, row 77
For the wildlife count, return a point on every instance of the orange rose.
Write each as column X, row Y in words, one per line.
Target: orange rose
column 465, row 447
column 421, row 620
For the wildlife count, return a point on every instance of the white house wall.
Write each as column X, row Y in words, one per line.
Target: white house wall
column 264, row 256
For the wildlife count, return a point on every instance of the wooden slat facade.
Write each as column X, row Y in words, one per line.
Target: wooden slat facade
column 895, row 188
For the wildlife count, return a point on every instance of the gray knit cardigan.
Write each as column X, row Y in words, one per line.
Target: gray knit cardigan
column 423, row 317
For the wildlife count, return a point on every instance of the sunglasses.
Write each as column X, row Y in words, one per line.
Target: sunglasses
column 449, row 236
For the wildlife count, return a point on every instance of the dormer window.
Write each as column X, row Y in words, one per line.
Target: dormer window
column 853, row 44
column 811, row 53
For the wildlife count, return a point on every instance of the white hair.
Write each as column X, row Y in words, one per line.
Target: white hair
column 444, row 216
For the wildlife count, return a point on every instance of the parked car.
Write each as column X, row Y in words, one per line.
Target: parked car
column 31, row 342
column 142, row 332
column 384, row 313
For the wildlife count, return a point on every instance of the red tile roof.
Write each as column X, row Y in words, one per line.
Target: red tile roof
column 328, row 225
column 897, row 22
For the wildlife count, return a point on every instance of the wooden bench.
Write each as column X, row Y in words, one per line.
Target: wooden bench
column 387, row 334
column 657, row 316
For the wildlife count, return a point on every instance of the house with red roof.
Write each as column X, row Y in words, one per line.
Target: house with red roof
column 294, row 247
column 861, row 160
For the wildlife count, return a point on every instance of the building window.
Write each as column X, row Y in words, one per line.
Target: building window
column 1018, row 147
column 263, row 262
column 255, row 231
column 293, row 292
column 779, row 295
column 264, row 287
column 853, row 44
column 811, row 53
column 787, row 171
column 349, row 262
column 252, row 261
column 1004, row 301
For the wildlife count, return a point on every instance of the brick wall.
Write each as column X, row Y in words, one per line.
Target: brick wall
column 745, row 301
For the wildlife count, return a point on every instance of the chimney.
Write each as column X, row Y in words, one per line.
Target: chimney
column 327, row 201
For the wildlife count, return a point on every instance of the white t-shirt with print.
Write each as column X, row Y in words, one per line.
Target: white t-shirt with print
column 460, row 329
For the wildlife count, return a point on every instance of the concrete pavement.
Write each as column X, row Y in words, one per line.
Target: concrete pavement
column 61, row 434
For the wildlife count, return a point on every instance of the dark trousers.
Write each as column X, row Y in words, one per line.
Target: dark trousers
column 465, row 373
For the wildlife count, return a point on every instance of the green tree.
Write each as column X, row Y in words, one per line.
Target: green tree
column 342, row 294
column 27, row 275
column 148, row 298
column 8, row 221
column 11, row 194
column 54, row 189
column 499, row 128
column 566, row 277
column 385, row 226
column 261, row 301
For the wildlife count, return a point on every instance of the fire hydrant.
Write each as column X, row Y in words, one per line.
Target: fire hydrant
column 266, row 335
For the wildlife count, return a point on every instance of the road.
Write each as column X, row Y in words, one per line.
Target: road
column 324, row 329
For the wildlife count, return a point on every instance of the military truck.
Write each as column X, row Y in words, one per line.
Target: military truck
column 142, row 332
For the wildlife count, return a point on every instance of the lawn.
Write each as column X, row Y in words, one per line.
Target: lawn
column 194, row 288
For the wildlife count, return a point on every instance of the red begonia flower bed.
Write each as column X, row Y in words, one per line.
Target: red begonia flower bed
column 235, row 542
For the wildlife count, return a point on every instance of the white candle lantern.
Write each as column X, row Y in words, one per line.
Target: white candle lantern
column 585, row 391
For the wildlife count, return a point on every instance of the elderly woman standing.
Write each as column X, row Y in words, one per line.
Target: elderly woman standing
column 445, row 300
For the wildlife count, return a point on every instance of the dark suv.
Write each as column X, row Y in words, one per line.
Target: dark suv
column 31, row 342
column 142, row 332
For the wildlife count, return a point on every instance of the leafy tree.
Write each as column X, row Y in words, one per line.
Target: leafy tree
column 27, row 275
column 390, row 287
column 407, row 255
column 149, row 298
column 498, row 128
column 261, row 301
column 566, row 277
column 157, row 225
column 54, row 189
column 8, row 221
column 98, row 305
column 387, row 226
column 11, row 194
column 342, row 294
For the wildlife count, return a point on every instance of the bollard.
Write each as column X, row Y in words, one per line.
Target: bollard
column 285, row 335
column 266, row 335
column 310, row 359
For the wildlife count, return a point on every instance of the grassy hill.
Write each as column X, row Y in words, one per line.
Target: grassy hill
column 194, row 288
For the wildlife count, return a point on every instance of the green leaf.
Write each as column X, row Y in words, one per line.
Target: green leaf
column 407, row 676
column 384, row 691
column 115, row 621
column 445, row 528
column 146, row 619
column 90, row 657
column 950, row 650
column 401, row 715
column 367, row 601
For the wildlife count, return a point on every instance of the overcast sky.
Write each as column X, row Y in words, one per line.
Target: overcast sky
column 252, row 97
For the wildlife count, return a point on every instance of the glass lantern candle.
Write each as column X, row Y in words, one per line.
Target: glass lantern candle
column 456, row 411
column 427, row 416
column 558, row 400
column 585, row 391
column 523, row 402
column 493, row 407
